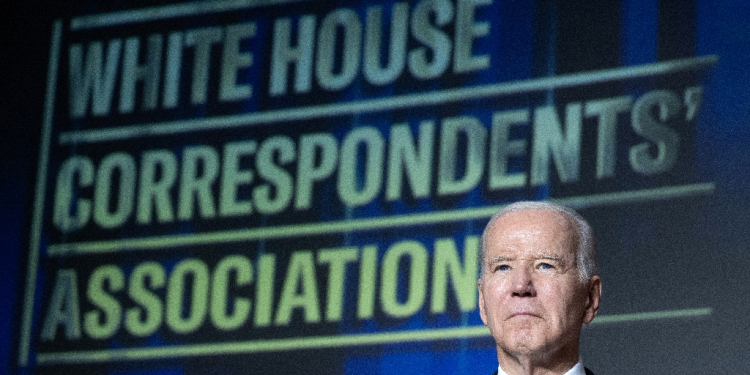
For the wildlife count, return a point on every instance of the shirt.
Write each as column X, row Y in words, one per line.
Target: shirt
column 575, row 370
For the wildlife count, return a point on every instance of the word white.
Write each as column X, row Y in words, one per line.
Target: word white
column 316, row 53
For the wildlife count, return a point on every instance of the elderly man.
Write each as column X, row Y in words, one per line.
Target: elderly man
column 538, row 285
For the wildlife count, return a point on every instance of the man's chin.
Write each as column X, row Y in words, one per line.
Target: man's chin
column 532, row 346
column 524, row 342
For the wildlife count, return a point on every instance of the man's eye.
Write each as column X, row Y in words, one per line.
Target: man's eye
column 546, row 266
column 503, row 267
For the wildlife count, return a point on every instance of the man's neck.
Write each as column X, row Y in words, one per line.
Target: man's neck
column 536, row 365
column 577, row 369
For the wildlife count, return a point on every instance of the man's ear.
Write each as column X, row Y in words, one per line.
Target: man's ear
column 482, row 313
column 594, row 295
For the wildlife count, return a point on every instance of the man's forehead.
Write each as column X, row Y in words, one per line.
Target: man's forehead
column 534, row 219
column 532, row 233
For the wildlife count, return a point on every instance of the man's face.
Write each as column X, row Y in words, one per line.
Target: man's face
column 531, row 295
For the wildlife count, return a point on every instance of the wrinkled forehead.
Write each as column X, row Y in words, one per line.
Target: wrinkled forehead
column 543, row 231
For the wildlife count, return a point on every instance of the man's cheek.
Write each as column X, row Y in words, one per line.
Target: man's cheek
column 482, row 313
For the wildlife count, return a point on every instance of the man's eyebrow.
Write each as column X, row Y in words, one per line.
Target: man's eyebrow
column 550, row 257
column 500, row 258
column 504, row 258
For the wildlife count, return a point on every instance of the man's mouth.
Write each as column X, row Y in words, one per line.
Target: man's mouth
column 524, row 313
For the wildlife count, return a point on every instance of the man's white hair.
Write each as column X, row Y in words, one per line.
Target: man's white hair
column 586, row 258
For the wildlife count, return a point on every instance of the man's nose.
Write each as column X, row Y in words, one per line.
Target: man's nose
column 523, row 283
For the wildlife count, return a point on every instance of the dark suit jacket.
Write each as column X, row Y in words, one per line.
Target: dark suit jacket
column 588, row 372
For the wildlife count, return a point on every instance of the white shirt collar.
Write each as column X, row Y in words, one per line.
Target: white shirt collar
column 575, row 370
